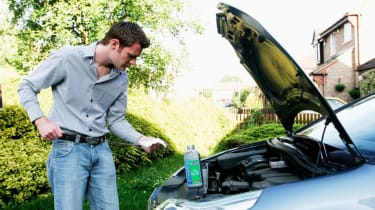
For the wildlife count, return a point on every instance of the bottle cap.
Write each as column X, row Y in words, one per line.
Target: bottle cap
column 190, row 146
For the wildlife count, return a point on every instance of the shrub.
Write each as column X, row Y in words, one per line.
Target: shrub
column 23, row 157
column 354, row 93
column 127, row 156
column 252, row 134
column 256, row 118
column 367, row 84
column 339, row 87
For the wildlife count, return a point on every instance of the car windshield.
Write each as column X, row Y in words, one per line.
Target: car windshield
column 358, row 120
column 334, row 103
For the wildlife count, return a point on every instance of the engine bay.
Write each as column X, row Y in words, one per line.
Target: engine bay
column 254, row 167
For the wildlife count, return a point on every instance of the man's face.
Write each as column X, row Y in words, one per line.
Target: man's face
column 124, row 57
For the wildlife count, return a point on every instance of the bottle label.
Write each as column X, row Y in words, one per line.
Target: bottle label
column 193, row 173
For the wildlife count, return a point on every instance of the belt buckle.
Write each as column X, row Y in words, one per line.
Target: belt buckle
column 92, row 140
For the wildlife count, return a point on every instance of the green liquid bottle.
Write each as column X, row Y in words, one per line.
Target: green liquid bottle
column 193, row 167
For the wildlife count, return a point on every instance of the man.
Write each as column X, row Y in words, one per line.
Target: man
column 89, row 86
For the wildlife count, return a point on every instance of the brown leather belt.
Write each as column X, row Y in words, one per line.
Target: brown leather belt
column 83, row 139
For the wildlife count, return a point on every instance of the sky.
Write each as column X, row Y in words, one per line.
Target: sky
column 290, row 22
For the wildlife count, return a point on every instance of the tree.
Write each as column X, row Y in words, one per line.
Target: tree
column 7, row 33
column 239, row 98
column 45, row 25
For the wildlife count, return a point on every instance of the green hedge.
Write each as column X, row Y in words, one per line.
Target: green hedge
column 22, row 158
column 128, row 157
column 253, row 133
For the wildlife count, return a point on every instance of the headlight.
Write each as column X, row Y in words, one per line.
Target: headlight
column 238, row 202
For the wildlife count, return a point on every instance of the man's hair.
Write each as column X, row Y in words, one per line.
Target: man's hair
column 127, row 33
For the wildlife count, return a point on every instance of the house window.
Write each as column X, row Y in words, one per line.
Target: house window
column 347, row 32
column 332, row 44
column 319, row 52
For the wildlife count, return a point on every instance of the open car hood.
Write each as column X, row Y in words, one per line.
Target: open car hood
column 281, row 79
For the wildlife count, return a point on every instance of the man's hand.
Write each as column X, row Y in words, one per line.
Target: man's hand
column 150, row 144
column 47, row 129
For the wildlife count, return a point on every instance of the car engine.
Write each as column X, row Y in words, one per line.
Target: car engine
column 252, row 167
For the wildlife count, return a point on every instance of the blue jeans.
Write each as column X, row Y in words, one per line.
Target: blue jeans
column 76, row 171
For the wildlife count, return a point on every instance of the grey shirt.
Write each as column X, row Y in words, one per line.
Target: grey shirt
column 81, row 102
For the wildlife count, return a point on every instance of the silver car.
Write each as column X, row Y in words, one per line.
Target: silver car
column 328, row 164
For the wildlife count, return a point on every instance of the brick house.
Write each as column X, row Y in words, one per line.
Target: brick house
column 345, row 53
